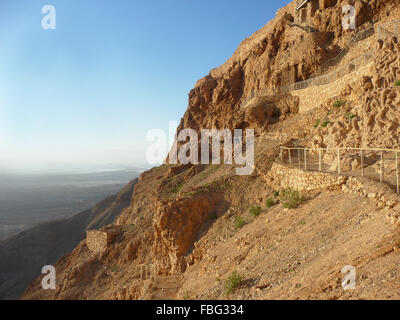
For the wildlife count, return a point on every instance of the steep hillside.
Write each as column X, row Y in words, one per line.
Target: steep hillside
column 24, row 255
column 189, row 228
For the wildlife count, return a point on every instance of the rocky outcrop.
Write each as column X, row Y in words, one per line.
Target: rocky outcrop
column 176, row 225
column 263, row 60
column 168, row 222
column 373, row 120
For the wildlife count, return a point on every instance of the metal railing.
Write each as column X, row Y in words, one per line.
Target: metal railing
column 145, row 271
column 366, row 162
column 384, row 31
column 259, row 93
column 353, row 65
column 300, row 4
column 390, row 29
column 338, row 73
column 359, row 36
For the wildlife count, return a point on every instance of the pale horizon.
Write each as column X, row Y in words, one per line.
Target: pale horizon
column 70, row 98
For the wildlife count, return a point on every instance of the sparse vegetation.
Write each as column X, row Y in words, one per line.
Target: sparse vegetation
column 213, row 186
column 350, row 116
column 209, row 171
column 338, row 103
column 317, row 123
column 114, row 268
column 233, row 282
column 397, row 83
column 177, row 188
column 291, row 199
column 276, row 193
column 255, row 211
column 325, row 124
column 186, row 296
column 239, row 222
column 270, row 202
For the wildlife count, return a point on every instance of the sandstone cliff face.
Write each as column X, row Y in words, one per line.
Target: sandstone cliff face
column 176, row 226
column 269, row 56
column 182, row 219
column 372, row 119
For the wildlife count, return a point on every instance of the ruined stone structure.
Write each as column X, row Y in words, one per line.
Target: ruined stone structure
column 97, row 241
column 306, row 9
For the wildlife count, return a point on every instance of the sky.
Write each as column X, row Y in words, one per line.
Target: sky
column 85, row 94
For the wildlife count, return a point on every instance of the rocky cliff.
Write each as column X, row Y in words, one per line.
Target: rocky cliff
column 195, row 225
column 24, row 255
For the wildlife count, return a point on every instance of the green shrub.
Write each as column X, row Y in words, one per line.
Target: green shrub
column 349, row 116
column 186, row 296
column 233, row 282
column 177, row 188
column 270, row 202
column 276, row 193
column 325, row 123
column 114, row 268
column 239, row 222
column 291, row 199
column 397, row 83
column 338, row 103
column 316, row 123
column 255, row 211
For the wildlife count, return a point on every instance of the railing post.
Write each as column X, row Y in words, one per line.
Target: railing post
column 290, row 156
column 320, row 160
column 299, row 155
column 338, row 157
column 381, row 168
column 397, row 173
column 362, row 163
column 305, row 159
column 281, row 153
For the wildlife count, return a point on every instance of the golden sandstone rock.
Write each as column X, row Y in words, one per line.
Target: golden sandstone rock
column 341, row 223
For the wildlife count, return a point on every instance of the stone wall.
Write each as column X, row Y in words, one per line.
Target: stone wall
column 381, row 194
column 315, row 96
column 282, row 176
column 98, row 240
column 306, row 14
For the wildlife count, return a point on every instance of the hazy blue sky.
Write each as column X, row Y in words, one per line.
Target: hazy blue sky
column 86, row 93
